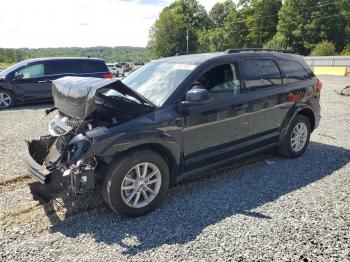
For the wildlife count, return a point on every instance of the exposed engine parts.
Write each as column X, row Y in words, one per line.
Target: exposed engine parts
column 84, row 105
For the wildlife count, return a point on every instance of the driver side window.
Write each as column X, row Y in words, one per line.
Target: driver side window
column 33, row 71
column 222, row 82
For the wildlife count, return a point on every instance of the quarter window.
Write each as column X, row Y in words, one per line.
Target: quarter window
column 261, row 73
column 293, row 71
column 33, row 71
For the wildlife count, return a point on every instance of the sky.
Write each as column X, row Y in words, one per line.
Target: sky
column 82, row 23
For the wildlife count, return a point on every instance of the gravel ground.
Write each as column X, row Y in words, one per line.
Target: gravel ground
column 263, row 208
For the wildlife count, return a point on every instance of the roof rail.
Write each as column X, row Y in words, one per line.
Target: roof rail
column 190, row 53
column 238, row 50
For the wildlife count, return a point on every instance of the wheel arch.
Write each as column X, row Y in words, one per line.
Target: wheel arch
column 304, row 110
column 162, row 151
column 307, row 112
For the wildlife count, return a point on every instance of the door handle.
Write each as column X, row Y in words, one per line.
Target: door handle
column 241, row 107
column 44, row 81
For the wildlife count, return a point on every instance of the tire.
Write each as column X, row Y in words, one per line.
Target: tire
column 7, row 99
column 122, row 167
column 288, row 148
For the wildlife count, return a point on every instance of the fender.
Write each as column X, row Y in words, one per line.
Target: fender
column 295, row 109
column 109, row 147
column 168, row 146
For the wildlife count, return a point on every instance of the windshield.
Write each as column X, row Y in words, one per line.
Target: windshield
column 157, row 80
column 11, row 69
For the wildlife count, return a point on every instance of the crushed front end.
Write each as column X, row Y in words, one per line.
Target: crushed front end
column 56, row 160
column 63, row 160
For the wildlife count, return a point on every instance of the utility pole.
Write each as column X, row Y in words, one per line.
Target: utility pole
column 187, row 39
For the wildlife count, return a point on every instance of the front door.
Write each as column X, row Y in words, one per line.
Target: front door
column 212, row 132
column 34, row 84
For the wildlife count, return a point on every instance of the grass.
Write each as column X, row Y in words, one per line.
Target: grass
column 5, row 65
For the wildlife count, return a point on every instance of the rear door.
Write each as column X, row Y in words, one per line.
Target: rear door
column 268, row 99
column 59, row 68
column 35, row 83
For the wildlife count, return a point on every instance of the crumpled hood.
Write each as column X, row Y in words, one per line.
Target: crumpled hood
column 75, row 96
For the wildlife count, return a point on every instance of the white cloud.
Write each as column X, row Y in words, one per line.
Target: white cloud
column 48, row 23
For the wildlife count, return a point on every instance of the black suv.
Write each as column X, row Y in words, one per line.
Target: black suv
column 170, row 119
column 30, row 80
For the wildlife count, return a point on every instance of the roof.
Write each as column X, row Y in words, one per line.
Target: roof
column 59, row 58
column 194, row 59
column 200, row 58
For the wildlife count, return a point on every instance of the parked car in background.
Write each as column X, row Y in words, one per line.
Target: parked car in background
column 116, row 69
column 30, row 80
column 171, row 119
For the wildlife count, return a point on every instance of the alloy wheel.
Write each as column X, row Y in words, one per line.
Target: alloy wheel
column 5, row 100
column 299, row 137
column 141, row 185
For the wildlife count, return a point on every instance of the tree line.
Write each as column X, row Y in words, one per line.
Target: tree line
column 306, row 27
column 109, row 54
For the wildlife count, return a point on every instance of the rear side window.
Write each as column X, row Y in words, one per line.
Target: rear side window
column 75, row 67
column 293, row 71
column 93, row 66
column 261, row 73
column 60, row 67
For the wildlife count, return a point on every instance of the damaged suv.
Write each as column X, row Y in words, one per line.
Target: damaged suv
column 173, row 118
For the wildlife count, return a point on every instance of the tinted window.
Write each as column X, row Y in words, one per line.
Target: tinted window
column 60, row 67
column 75, row 67
column 33, row 71
column 261, row 73
column 293, row 70
column 93, row 66
column 222, row 82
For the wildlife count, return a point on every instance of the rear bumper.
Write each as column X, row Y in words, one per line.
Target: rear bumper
column 36, row 170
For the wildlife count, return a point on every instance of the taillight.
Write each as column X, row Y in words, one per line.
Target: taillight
column 107, row 76
column 319, row 86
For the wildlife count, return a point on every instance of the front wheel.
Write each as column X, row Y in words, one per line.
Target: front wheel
column 7, row 99
column 297, row 139
column 136, row 183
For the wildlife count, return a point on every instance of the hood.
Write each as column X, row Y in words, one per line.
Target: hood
column 75, row 96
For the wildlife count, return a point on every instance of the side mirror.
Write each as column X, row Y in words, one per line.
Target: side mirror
column 196, row 96
column 18, row 76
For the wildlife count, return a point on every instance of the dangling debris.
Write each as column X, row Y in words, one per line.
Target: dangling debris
column 346, row 91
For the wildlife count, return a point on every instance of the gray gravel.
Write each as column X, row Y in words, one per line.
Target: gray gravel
column 263, row 208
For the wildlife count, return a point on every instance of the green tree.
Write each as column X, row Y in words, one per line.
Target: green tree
column 213, row 39
column 277, row 42
column 262, row 21
column 237, row 29
column 304, row 23
column 168, row 35
column 232, row 34
column 325, row 48
column 346, row 50
column 344, row 7
column 220, row 12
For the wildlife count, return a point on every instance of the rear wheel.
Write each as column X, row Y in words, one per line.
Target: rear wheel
column 136, row 183
column 297, row 139
column 7, row 99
